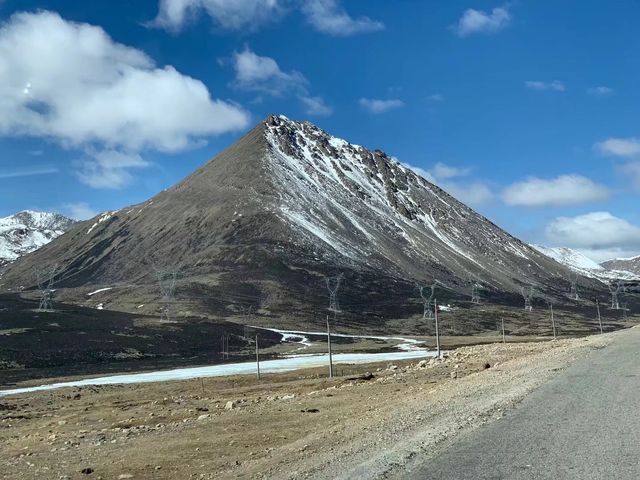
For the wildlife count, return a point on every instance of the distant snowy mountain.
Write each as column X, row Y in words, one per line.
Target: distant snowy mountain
column 631, row 264
column 27, row 231
column 583, row 265
column 569, row 257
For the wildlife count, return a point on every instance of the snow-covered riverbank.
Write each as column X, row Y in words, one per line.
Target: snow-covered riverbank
column 408, row 348
column 268, row 366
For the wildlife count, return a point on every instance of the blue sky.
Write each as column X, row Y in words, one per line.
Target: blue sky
column 526, row 110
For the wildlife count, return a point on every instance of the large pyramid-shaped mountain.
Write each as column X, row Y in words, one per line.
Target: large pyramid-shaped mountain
column 266, row 220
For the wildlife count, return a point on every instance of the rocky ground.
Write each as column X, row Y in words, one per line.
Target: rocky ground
column 294, row 425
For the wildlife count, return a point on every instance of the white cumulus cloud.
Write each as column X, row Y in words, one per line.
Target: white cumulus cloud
column 72, row 83
column 600, row 233
column 620, row 147
column 478, row 21
column 84, row 87
column 374, row 105
column 560, row 191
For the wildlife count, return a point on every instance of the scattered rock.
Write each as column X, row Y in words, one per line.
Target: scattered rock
column 392, row 367
column 124, row 475
column 365, row 377
column 310, row 410
column 487, row 365
column 422, row 363
column 87, row 471
column 204, row 416
column 454, row 374
column 230, row 405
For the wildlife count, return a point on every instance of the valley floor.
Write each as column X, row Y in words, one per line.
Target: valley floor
column 288, row 425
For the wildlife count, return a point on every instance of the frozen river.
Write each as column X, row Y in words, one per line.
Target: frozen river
column 409, row 349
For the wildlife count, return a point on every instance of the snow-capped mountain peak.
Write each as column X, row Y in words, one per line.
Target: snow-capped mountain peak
column 28, row 230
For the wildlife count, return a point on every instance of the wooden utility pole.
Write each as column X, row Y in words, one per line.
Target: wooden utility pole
column 329, row 347
column 435, row 306
column 257, row 357
column 599, row 317
column 503, row 339
column 553, row 321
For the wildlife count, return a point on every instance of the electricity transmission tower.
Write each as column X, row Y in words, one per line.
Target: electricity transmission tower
column 527, row 295
column 427, row 313
column 246, row 313
column 167, row 284
column 475, row 293
column 573, row 293
column 333, row 285
column 615, row 288
column 45, row 279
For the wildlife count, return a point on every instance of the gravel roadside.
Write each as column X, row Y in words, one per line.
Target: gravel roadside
column 293, row 425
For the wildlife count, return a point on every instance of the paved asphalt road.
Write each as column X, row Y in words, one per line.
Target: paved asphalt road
column 584, row 424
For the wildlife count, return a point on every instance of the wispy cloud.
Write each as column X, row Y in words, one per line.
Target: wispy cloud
column 329, row 17
column 236, row 15
column 79, row 211
column 374, row 105
column 600, row 91
column 436, row 98
column 109, row 169
column 29, row 173
column 262, row 74
column 478, row 21
column 628, row 151
column 450, row 178
column 325, row 16
column 556, row 85
column 316, row 106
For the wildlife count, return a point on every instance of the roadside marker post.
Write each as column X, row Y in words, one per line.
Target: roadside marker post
column 553, row 321
column 257, row 356
column 503, row 338
column 599, row 317
column 435, row 306
column 329, row 348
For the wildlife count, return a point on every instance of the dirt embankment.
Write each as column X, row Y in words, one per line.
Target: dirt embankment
column 293, row 425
